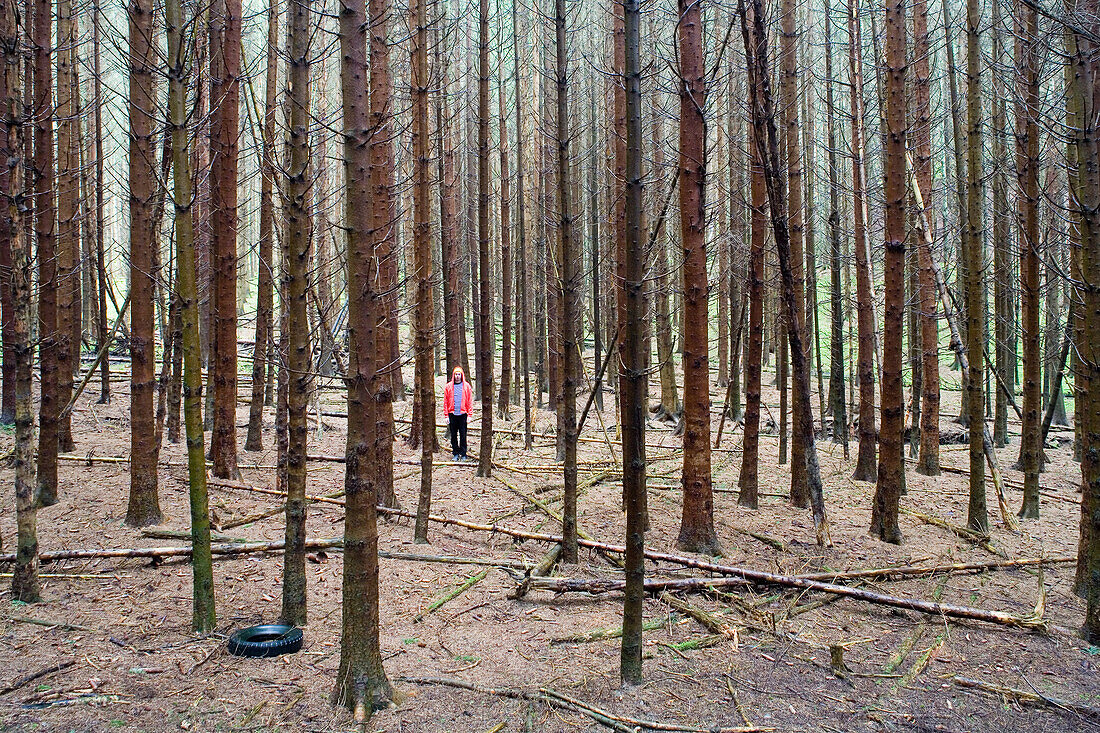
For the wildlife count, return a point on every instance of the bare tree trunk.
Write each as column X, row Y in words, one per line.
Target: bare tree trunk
column 506, row 266
column 977, row 516
column 697, row 522
column 384, row 239
column 524, row 274
column 144, row 506
column 748, row 482
column 203, row 617
column 1027, row 168
column 837, row 402
column 296, row 188
column 265, row 301
column 866, row 469
column 17, row 334
column 788, row 103
column 361, row 684
column 764, row 131
column 570, row 286
column 68, row 220
column 891, row 468
column 422, row 258
column 485, row 284
column 632, row 381
column 928, row 461
column 225, row 71
column 101, row 268
column 45, row 231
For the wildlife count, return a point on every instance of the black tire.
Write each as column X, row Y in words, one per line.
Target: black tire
column 266, row 640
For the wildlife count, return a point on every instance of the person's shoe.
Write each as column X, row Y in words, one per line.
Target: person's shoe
column 455, row 457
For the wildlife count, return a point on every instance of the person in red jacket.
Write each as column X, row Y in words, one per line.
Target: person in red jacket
column 457, row 402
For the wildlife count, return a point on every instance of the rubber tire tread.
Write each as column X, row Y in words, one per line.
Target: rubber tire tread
column 242, row 644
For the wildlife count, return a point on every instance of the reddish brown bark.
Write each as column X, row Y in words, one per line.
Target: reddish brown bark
column 697, row 522
column 225, row 70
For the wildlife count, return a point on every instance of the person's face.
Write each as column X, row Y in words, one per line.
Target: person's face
column 458, row 378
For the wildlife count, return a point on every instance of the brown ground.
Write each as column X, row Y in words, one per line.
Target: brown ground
column 140, row 668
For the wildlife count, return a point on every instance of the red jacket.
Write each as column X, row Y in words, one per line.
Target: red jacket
column 449, row 395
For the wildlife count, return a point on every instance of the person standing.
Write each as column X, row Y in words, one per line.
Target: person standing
column 457, row 402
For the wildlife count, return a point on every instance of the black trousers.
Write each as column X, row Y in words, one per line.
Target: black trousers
column 457, row 426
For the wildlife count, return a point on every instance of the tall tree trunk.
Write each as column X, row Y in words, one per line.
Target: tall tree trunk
column 928, row 461
column 865, row 318
column 225, row 71
column 422, row 258
column 45, row 231
column 977, row 516
column 68, row 219
column 265, row 300
column 570, row 286
column 524, row 274
column 748, row 482
column 697, row 522
column 837, row 402
column 203, row 617
column 144, row 506
column 1087, row 99
column 632, row 380
column 384, row 227
column 1027, row 171
column 891, row 468
column 485, row 284
column 24, row 582
column 767, row 139
column 100, row 220
column 454, row 325
column 788, row 103
column 505, row 265
column 296, row 190
column 361, row 683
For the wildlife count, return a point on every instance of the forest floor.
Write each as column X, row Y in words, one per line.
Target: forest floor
column 135, row 665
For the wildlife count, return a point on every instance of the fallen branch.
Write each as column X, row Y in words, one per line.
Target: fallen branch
column 560, row 700
column 48, row 624
column 1034, row 698
column 959, row 567
column 612, row 632
column 1031, row 621
column 977, row 538
column 27, row 679
column 450, row 595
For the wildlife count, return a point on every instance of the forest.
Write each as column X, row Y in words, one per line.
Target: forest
column 677, row 365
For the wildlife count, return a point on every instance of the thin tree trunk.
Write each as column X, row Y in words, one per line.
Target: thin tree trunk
column 748, row 482
column 977, row 516
column 45, row 232
column 225, row 71
column 632, row 381
column 928, row 461
column 764, row 130
column 524, row 274
column 422, row 259
column 837, row 402
column 485, row 284
column 866, row 469
column 296, row 189
column 891, row 468
column 203, row 617
column 265, row 302
column 1027, row 171
column 100, row 221
column 68, row 220
column 505, row 266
